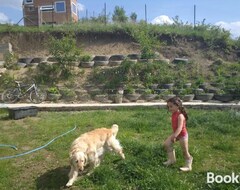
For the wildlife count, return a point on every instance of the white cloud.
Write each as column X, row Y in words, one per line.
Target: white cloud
column 3, row 18
column 81, row 7
column 163, row 19
column 233, row 27
column 17, row 4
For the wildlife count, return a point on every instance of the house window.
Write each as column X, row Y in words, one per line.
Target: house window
column 74, row 8
column 28, row 1
column 60, row 6
column 47, row 8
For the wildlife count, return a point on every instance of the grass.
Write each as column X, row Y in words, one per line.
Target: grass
column 213, row 36
column 213, row 135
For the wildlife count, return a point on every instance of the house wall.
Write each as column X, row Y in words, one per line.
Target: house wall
column 33, row 15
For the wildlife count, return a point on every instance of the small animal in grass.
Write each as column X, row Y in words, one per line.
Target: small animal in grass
column 88, row 150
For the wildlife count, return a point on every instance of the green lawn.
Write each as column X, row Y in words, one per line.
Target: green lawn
column 213, row 141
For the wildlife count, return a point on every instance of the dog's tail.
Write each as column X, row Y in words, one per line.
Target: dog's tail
column 114, row 129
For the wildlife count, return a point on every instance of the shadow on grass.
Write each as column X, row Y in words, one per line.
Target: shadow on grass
column 4, row 115
column 53, row 179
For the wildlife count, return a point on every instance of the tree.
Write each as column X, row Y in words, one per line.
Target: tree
column 65, row 51
column 133, row 17
column 100, row 19
column 119, row 15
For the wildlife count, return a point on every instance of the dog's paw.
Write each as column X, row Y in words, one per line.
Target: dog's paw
column 123, row 156
column 68, row 184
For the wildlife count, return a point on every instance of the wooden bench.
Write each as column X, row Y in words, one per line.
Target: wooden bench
column 22, row 112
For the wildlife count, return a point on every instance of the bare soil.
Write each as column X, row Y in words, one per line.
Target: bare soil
column 35, row 45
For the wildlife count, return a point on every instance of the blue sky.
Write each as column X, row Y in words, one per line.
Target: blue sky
column 223, row 12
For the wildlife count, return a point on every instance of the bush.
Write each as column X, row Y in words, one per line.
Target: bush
column 6, row 81
column 47, row 74
column 66, row 53
column 147, row 41
column 85, row 58
column 53, row 90
column 10, row 60
column 67, row 93
column 148, row 91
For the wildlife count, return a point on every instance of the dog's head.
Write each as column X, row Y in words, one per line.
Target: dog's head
column 78, row 160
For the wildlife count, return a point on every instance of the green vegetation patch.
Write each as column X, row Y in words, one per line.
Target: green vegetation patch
column 213, row 142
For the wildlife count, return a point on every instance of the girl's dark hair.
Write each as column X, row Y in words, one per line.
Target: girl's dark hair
column 178, row 102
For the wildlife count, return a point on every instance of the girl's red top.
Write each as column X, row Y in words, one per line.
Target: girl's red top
column 175, row 124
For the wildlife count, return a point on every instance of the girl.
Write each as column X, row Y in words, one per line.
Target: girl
column 179, row 118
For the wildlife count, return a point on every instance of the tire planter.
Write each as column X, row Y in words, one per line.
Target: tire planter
column 101, row 58
column 204, row 97
column 198, row 91
column 187, row 85
column 26, row 60
column 145, row 60
column 115, row 63
column 178, row 91
column 236, row 96
column 223, row 97
column 134, row 56
column 168, row 96
column 133, row 61
column 168, row 86
column 38, row 60
column 117, row 58
column 100, row 63
column 188, row 97
column 180, row 60
column 33, row 64
column 149, row 97
column 159, row 90
column 53, row 97
column 132, row 97
column 88, row 64
column 22, row 65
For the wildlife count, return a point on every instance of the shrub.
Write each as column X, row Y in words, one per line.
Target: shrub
column 65, row 51
column 147, row 41
column 53, row 90
column 85, row 58
column 148, row 91
column 10, row 60
column 6, row 81
column 47, row 73
column 67, row 93
column 129, row 90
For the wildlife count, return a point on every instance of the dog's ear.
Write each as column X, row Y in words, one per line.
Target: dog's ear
column 85, row 159
column 73, row 160
column 91, row 155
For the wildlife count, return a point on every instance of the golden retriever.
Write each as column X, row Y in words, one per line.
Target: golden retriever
column 88, row 149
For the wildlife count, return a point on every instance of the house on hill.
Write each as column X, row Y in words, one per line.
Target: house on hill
column 40, row 12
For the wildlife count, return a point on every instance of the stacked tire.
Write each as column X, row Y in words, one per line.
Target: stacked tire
column 101, row 60
column 116, row 60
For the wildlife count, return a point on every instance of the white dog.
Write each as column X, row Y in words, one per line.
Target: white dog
column 88, row 149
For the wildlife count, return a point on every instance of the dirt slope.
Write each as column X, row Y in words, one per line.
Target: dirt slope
column 35, row 44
